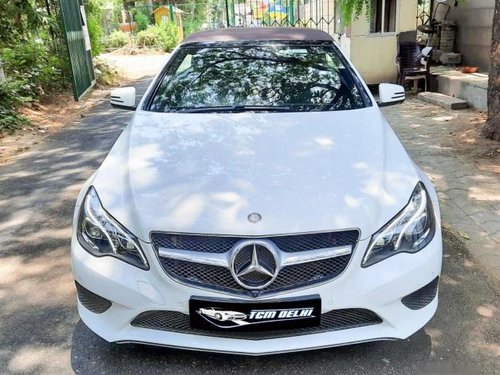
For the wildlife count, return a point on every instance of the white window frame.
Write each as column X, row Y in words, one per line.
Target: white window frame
column 382, row 26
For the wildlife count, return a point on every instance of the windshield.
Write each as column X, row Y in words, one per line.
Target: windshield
column 265, row 77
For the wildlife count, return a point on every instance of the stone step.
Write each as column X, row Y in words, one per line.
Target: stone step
column 470, row 87
column 445, row 101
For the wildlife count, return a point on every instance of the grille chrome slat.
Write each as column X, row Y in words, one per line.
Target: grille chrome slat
column 224, row 260
column 211, row 259
column 304, row 259
column 288, row 259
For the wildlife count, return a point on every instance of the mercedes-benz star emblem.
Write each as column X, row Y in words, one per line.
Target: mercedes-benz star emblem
column 254, row 265
column 254, row 217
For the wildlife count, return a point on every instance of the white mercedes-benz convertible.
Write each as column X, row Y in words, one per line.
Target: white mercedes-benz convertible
column 258, row 175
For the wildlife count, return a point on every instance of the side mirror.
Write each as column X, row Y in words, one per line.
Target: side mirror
column 390, row 94
column 123, row 98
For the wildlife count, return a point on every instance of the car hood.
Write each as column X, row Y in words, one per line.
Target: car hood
column 302, row 172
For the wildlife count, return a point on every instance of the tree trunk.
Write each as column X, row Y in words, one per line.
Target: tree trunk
column 492, row 128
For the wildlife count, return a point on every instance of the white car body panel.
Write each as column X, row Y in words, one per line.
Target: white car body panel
column 205, row 173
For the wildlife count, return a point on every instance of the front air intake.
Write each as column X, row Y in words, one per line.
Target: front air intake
column 92, row 301
column 422, row 297
column 335, row 320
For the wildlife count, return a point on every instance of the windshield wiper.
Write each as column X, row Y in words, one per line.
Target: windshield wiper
column 234, row 109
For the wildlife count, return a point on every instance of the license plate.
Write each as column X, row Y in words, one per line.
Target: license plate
column 230, row 314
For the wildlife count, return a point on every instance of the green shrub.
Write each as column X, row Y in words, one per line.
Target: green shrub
column 192, row 26
column 33, row 50
column 95, row 33
column 106, row 74
column 32, row 69
column 142, row 19
column 116, row 39
column 151, row 37
column 10, row 98
column 164, row 37
column 93, row 10
column 10, row 120
column 39, row 69
column 171, row 37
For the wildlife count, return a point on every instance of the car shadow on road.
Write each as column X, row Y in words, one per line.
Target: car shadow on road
column 91, row 354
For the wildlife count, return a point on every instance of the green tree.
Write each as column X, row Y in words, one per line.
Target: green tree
column 20, row 18
column 195, row 14
column 352, row 9
column 93, row 10
column 33, row 51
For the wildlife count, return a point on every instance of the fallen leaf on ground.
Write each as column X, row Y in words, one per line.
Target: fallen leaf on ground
column 464, row 235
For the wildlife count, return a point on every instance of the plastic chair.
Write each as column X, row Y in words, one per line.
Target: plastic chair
column 413, row 64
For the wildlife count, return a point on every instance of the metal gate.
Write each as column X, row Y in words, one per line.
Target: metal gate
column 77, row 38
column 318, row 14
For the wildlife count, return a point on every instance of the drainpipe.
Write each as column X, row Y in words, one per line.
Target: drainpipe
column 291, row 13
column 149, row 4
column 171, row 11
column 2, row 74
column 227, row 13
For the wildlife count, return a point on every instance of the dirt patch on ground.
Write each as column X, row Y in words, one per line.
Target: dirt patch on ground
column 453, row 240
column 459, row 133
column 135, row 67
column 135, row 50
column 47, row 117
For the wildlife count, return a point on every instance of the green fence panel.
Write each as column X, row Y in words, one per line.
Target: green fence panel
column 318, row 14
column 74, row 23
column 210, row 14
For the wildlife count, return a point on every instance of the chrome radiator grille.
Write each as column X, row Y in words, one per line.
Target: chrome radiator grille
column 190, row 269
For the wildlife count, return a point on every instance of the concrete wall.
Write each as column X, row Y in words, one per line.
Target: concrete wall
column 374, row 55
column 474, row 19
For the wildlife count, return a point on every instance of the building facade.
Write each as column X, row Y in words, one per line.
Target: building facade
column 474, row 19
column 370, row 42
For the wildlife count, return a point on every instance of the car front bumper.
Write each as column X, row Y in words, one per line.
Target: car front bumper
column 378, row 288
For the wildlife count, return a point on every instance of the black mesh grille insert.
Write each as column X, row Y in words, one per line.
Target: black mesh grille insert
column 422, row 297
column 334, row 320
column 289, row 243
column 203, row 275
column 220, row 278
column 92, row 301
column 300, row 275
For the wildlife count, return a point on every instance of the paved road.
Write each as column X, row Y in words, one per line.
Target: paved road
column 40, row 332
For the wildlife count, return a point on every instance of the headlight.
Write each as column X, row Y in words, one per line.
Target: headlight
column 102, row 235
column 408, row 232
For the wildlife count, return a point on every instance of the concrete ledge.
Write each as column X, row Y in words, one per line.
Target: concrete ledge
column 442, row 100
column 470, row 87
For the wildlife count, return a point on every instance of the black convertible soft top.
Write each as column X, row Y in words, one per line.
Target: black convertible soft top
column 247, row 34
